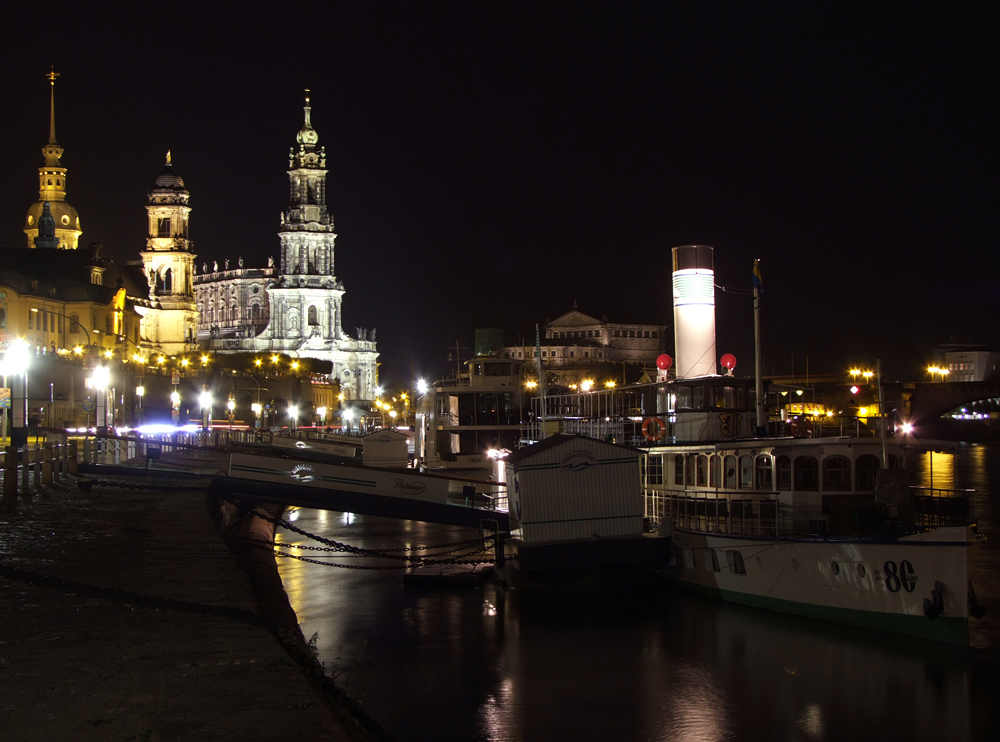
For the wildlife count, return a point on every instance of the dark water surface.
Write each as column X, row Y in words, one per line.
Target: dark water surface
column 491, row 664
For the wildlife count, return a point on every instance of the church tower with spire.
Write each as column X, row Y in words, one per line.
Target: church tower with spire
column 168, row 261
column 52, row 189
column 306, row 297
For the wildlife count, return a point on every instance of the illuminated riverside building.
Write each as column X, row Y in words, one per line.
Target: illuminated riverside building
column 170, row 319
column 296, row 310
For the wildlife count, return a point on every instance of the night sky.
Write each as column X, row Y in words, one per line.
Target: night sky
column 493, row 163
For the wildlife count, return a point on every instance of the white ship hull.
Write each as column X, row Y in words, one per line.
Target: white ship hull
column 916, row 585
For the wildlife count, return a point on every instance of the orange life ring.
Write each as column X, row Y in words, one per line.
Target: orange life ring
column 653, row 429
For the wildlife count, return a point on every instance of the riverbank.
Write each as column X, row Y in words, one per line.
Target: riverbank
column 125, row 616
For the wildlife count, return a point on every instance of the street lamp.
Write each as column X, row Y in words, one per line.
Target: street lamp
column 321, row 411
column 100, row 380
column 293, row 413
column 231, row 405
column 16, row 363
column 255, row 408
column 175, row 407
column 205, row 399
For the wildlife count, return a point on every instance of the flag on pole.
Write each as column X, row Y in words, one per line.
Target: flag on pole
column 758, row 282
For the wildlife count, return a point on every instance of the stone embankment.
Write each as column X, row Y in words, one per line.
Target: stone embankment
column 124, row 615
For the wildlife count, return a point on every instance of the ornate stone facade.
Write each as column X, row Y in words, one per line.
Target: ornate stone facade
column 305, row 298
column 170, row 321
column 52, row 190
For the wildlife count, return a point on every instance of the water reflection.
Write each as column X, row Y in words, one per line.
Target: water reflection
column 488, row 664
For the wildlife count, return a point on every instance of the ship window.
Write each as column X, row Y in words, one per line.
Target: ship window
column 865, row 471
column 783, row 473
column 713, row 471
column 746, row 472
column 702, row 470
column 654, row 469
column 730, row 472
column 715, row 560
column 763, row 472
column 678, row 469
column 692, row 463
column 836, row 474
column 806, row 474
column 735, row 561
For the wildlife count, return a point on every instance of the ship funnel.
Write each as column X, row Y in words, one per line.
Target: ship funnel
column 694, row 310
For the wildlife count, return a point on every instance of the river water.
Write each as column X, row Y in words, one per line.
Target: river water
column 487, row 663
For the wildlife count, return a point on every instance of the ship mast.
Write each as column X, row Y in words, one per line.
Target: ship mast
column 761, row 409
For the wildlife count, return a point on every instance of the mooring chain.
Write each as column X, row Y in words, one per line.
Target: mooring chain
column 375, row 554
column 86, row 484
column 388, row 553
column 426, row 563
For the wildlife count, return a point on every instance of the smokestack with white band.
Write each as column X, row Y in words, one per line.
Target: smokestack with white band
column 694, row 310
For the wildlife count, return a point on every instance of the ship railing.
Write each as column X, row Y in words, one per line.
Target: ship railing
column 938, row 506
column 734, row 512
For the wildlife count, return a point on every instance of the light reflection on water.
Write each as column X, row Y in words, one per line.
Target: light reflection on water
column 489, row 664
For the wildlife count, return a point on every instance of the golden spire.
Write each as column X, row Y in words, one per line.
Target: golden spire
column 168, row 158
column 52, row 75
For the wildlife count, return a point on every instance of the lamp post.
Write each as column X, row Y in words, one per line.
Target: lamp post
column 175, row 406
column 17, row 360
column 231, row 405
column 100, row 379
column 206, row 408
column 293, row 413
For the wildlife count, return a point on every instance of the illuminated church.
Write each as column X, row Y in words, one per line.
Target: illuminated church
column 295, row 308
column 52, row 189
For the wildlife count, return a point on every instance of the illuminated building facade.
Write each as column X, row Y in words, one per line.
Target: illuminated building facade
column 52, row 190
column 170, row 319
column 302, row 303
column 577, row 339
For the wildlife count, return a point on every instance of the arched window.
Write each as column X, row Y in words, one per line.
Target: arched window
column 746, row 472
column 313, row 317
column 702, row 471
column 713, row 470
column 678, row 469
column 836, row 474
column 730, row 467
column 865, row 471
column 783, row 473
column 762, row 472
column 806, row 474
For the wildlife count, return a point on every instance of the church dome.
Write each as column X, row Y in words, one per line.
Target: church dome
column 168, row 181
column 64, row 215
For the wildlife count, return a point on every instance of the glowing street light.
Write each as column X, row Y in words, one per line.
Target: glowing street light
column 16, row 363
column 205, row 400
column 100, row 380
column 231, row 405
column 293, row 414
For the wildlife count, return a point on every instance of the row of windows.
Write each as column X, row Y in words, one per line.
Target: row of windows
column 803, row 474
column 636, row 334
column 556, row 354
column 49, row 321
column 963, row 366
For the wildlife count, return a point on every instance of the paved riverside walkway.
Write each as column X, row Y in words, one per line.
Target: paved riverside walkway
column 85, row 660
